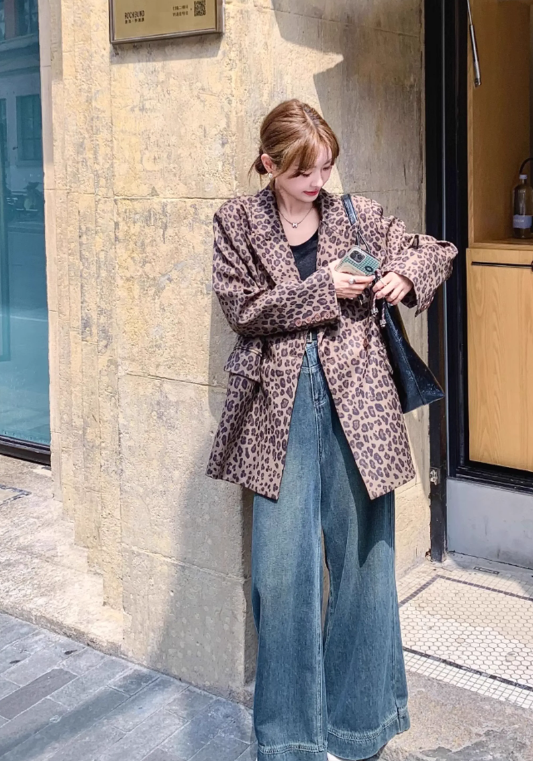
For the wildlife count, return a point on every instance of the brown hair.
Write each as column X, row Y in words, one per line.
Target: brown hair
column 293, row 134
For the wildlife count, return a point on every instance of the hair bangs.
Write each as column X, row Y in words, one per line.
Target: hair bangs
column 302, row 155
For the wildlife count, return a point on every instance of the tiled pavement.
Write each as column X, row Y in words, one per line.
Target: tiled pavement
column 469, row 622
column 62, row 701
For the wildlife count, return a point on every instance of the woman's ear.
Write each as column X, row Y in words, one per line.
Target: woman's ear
column 268, row 163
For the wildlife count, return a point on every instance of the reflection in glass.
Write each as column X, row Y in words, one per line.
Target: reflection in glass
column 24, row 403
column 27, row 17
column 30, row 146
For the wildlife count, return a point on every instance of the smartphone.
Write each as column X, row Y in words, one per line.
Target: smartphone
column 358, row 261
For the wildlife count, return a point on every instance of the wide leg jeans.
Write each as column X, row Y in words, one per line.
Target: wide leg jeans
column 342, row 687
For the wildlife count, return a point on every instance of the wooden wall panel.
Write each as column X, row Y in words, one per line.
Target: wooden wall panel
column 500, row 359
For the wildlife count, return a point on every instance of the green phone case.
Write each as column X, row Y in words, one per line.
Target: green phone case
column 358, row 261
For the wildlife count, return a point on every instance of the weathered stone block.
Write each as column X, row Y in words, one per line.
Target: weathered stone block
column 171, row 508
column 186, row 621
column 167, row 324
column 402, row 17
column 187, row 90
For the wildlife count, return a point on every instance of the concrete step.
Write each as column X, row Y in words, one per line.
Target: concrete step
column 45, row 576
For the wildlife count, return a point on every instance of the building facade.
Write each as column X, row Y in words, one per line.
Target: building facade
column 141, row 144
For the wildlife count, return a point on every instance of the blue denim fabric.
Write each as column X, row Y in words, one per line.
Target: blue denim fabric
column 343, row 688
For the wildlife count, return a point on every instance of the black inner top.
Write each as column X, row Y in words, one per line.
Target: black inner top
column 305, row 256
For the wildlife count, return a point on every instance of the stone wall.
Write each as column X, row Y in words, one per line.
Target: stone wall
column 142, row 144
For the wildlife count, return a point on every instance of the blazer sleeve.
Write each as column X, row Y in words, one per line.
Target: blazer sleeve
column 251, row 305
column 426, row 261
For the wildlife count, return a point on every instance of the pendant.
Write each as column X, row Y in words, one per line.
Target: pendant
column 295, row 224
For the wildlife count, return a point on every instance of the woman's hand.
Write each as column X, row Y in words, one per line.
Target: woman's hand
column 344, row 288
column 392, row 287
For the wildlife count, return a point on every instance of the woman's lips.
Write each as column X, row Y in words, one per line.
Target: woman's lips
column 311, row 192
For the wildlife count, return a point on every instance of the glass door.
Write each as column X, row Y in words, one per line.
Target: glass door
column 24, row 376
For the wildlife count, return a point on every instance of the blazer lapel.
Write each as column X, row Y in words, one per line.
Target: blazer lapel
column 268, row 237
column 335, row 234
column 331, row 241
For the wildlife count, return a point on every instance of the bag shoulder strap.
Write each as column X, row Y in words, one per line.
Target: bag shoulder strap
column 352, row 216
column 349, row 207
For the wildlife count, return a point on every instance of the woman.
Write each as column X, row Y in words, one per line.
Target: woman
column 313, row 425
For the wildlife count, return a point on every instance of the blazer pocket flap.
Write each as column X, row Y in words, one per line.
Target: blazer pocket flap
column 246, row 362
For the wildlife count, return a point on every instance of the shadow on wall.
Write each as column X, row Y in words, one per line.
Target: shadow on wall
column 372, row 98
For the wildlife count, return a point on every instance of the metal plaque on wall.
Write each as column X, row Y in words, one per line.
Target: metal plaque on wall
column 142, row 20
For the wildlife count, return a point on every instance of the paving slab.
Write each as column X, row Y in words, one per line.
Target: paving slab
column 85, row 660
column 162, row 755
column 201, row 730
column 223, row 748
column 190, row 702
column 6, row 687
column 20, row 700
column 146, row 702
column 16, row 630
column 55, row 735
column 89, row 745
column 23, row 727
column 250, row 754
column 142, row 740
column 134, row 681
column 454, row 724
column 22, row 649
column 36, row 665
column 83, row 687
column 237, row 719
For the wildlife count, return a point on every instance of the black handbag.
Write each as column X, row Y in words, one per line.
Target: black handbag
column 415, row 383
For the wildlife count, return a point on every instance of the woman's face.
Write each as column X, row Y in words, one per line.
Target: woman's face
column 305, row 187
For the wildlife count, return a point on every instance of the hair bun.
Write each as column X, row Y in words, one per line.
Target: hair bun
column 259, row 166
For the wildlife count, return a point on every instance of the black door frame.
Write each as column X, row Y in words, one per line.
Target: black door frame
column 446, row 83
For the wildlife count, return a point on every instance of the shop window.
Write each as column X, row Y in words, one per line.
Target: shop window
column 24, row 376
column 27, row 17
column 29, row 128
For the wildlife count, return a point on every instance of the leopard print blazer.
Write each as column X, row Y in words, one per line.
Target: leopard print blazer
column 271, row 309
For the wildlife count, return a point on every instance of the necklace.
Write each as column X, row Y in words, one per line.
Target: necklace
column 295, row 224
